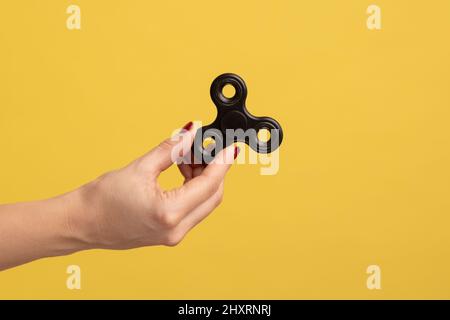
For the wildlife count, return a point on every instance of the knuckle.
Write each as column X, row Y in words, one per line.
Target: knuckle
column 219, row 199
column 173, row 238
column 167, row 144
column 167, row 220
column 169, row 215
column 210, row 184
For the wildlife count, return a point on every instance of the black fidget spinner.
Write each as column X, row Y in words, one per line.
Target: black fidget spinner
column 234, row 123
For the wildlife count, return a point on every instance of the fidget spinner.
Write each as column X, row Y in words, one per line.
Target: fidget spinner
column 234, row 123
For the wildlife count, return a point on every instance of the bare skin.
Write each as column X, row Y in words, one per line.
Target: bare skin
column 122, row 209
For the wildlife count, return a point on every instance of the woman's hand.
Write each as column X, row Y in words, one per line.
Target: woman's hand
column 122, row 209
column 127, row 208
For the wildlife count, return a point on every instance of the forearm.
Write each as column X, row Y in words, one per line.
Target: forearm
column 33, row 230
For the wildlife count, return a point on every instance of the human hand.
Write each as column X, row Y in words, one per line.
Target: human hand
column 127, row 208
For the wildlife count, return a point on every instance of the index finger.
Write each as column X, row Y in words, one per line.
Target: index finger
column 201, row 188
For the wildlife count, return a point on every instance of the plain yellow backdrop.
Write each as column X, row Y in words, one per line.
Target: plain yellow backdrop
column 364, row 175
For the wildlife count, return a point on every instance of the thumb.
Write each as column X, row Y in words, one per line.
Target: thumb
column 171, row 150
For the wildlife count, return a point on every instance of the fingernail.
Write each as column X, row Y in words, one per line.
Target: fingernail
column 188, row 126
column 236, row 152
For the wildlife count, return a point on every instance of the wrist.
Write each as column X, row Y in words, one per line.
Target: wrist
column 80, row 212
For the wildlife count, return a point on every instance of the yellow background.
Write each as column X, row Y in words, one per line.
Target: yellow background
column 364, row 175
